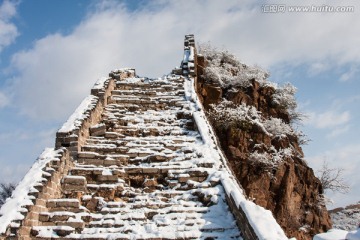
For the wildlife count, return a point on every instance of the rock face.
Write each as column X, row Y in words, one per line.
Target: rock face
column 289, row 188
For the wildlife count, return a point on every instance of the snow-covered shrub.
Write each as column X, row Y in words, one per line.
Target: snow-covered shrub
column 284, row 97
column 244, row 116
column 226, row 70
column 271, row 158
column 278, row 128
column 226, row 114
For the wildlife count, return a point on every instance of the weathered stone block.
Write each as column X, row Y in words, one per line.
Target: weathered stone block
column 44, row 217
column 74, row 180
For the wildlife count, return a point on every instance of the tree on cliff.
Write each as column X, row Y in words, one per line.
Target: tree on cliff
column 332, row 179
column 6, row 190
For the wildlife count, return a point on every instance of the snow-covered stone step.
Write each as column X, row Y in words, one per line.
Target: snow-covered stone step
column 149, row 86
column 177, row 141
column 151, row 131
column 74, row 184
column 103, row 162
column 149, row 99
column 64, row 204
column 152, row 92
column 98, row 175
column 46, row 232
column 150, row 123
column 134, row 105
column 103, row 159
column 105, row 149
column 112, row 109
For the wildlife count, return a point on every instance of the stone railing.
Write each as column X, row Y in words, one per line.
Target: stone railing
column 76, row 130
column 42, row 182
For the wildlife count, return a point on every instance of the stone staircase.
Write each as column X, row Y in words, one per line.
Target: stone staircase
column 143, row 173
column 136, row 160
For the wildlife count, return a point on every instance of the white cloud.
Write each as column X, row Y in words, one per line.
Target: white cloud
column 4, row 101
column 338, row 131
column 328, row 119
column 318, row 67
column 8, row 31
column 57, row 72
column 351, row 73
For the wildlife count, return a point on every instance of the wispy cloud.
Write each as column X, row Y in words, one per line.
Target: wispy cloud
column 350, row 74
column 8, row 30
column 338, row 131
column 318, row 67
column 4, row 101
column 328, row 119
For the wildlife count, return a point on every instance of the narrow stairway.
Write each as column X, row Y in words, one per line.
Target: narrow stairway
column 144, row 173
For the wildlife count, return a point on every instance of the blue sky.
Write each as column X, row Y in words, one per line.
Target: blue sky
column 52, row 52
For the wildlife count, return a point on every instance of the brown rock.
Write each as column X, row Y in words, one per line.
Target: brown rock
column 290, row 190
column 211, row 94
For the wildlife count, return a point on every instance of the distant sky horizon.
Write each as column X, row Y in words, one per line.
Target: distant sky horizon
column 52, row 52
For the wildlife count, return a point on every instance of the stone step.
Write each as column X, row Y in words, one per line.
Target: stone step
column 74, row 184
column 60, row 216
column 159, row 87
column 134, row 105
column 152, row 131
column 151, row 93
column 148, row 99
column 94, row 158
column 106, row 149
column 64, row 204
column 46, row 231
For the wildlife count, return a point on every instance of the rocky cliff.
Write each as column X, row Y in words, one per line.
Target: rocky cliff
column 253, row 121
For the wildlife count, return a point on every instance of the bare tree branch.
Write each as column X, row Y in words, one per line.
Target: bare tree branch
column 332, row 179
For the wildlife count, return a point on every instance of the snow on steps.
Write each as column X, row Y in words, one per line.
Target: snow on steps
column 144, row 175
column 162, row 186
